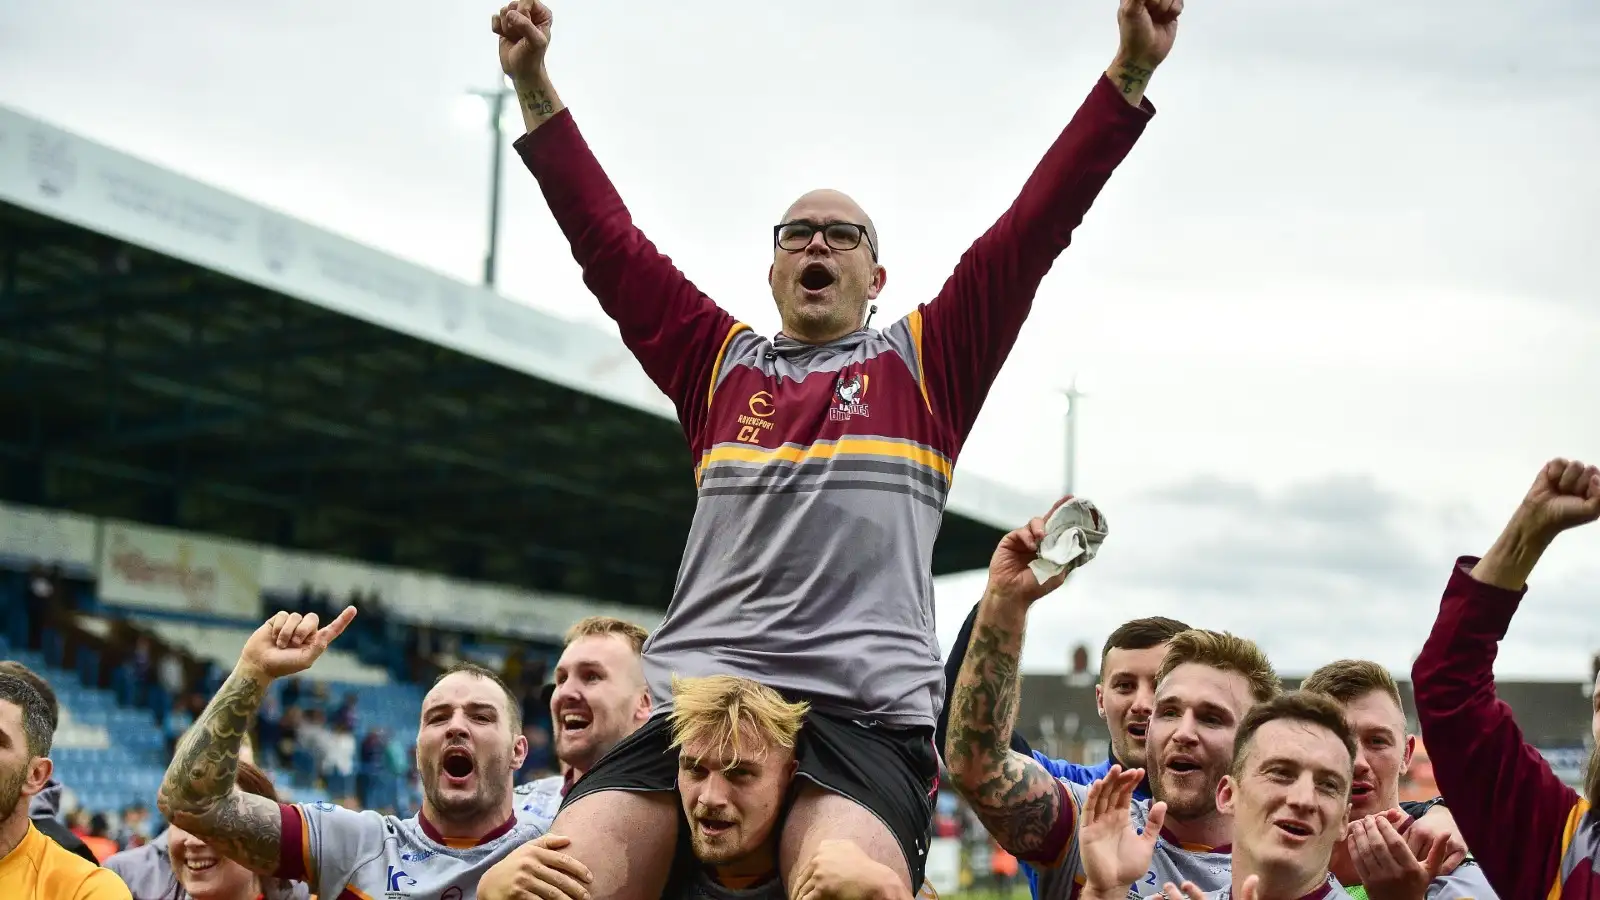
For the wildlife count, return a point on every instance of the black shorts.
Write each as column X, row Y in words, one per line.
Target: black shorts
column 891, row 771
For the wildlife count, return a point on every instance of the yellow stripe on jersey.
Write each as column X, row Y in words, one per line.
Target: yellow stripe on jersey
column 716, row 367
column 915, row 321
column 305, row 847
column 1574, row 818
column 827, row 450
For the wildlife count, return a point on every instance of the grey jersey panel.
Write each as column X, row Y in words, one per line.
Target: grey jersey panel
column 1208, row 871
column 808, row 564
column 537, row 802
column 384, row 856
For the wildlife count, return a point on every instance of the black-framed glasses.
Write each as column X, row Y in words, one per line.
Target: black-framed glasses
column 796, row 236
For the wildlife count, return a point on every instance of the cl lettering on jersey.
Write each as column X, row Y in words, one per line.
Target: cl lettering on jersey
column 851, row 392
column 758, row 420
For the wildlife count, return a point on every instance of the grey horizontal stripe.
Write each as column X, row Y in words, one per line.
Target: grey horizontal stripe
column 830, row 485
column 764, row 473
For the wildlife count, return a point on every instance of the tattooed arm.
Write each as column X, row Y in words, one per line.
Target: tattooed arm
column 1018, row 801
column 198, row 793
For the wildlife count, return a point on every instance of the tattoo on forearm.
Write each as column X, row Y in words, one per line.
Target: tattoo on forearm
column 1013, row 795
column 1132, row 77
column 198, row 793
column 537, row 102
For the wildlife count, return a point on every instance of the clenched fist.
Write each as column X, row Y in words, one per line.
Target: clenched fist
column 524, row 30
column 1148, row 28
column 1565, row 494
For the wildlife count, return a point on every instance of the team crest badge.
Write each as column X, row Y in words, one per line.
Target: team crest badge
column 850, row 390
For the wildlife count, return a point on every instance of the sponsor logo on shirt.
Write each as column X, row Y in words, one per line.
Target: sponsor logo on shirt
column 398, row 880
column 759, row 419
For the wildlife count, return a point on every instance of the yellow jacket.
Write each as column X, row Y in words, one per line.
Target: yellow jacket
column 40, row 869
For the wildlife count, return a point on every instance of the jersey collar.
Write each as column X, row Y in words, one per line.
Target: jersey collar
column 437, row 837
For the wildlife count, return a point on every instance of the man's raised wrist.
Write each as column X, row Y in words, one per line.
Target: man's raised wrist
column 253, row 673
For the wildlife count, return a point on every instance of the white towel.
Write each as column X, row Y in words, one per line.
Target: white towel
column 1072, row 537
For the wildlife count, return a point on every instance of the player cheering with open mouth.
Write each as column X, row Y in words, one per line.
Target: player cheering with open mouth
column 834, row 443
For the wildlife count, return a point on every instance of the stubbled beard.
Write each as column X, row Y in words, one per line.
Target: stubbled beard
column 1187, row 808
column 488, row 795
column 1124, row 751
column 11, row 790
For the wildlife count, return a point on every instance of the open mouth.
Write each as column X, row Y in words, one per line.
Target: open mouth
column 574, row 721
column 714, row 827
column 1293, row 827
column 1138, row 729
column 1182, row 765
column 457, row 762
column 199, row 865
column 816, row 277
column 1360, row 790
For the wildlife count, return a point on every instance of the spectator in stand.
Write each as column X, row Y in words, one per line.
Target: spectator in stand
column 172, row 674
column 45, row 807
column 290, row 693
column 339, row 762
column 32, row 866
column 96, row 834
column 288, row 743
column 313, row 741
column 134, row 828
column 541, row 755
column 346, row 714
column 44, row 586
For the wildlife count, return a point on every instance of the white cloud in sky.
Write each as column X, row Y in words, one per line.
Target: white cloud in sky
column 1333, row 312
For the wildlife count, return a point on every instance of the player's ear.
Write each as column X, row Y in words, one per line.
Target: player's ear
column 39, row 770
column 880, row 277
column 1100, row 700
column 1411, row 748
column 1225, row 795
column 519, row 752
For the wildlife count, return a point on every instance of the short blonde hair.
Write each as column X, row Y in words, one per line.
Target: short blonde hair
column 719, row 708
column 591, row 626
column 1228, row 652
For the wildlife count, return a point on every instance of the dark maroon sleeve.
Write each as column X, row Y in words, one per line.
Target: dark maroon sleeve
column 968, row 330
column 1494, row 782
column 294, row 854
column 676, row 332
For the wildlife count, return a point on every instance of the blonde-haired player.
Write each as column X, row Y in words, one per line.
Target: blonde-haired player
column 736, row 743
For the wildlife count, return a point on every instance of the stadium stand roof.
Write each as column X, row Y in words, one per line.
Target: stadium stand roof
column 175, row 355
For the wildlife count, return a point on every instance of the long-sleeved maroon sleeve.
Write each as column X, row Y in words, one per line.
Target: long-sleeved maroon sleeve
column 1512, row 809
column 967, row 331
column 676, row 332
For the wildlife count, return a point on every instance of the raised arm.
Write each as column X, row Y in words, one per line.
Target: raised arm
column 198, row 793
column 676, row 332
column 967, row 331
column 1487, row 772
column 1022, row 805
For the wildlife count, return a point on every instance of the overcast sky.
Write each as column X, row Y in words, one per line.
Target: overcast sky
column 1333, row 312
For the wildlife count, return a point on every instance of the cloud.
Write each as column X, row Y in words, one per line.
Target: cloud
column 1339, row 565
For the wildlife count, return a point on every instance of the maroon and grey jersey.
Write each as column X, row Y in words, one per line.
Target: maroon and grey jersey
column 823, row 470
